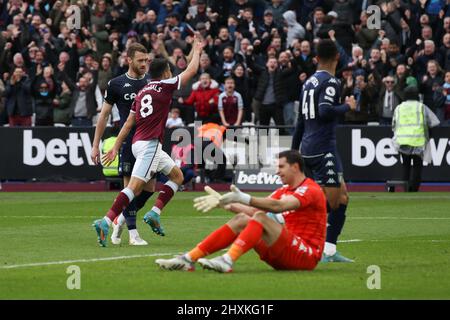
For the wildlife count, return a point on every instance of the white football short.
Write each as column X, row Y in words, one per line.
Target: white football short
column 150, row 159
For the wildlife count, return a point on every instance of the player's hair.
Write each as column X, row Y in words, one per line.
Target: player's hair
column 292, row 156
column 135, row 47
column 158, row 67
column 326, row 50
column 411, row 93
column 318, row 9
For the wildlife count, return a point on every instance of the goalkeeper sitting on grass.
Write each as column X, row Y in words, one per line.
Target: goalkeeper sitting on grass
column 297, row 244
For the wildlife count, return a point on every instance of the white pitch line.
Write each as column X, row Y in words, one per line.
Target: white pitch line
column 40, row 264
column 399, row 218
column 392, row 240
column 224, row 217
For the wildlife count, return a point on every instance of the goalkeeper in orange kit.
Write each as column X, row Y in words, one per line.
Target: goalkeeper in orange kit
column 287, row 229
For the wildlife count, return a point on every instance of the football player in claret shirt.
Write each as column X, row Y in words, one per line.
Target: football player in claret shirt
column 121, row 92
column 149, row 113
column 286, row 229
column 230, row 105
column 321, row 108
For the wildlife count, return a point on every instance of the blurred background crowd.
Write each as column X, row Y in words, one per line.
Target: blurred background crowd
column 257, row 55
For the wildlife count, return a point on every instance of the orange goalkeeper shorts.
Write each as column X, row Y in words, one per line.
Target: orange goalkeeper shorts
column 289, row 252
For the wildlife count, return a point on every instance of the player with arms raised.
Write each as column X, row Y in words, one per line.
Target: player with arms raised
column 316, row 130
column 149, row 113
column 121, row 92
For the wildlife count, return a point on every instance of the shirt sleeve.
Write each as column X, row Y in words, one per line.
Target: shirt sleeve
column 220, row 103
column 110, row 94
column 172, row 84
column 328, row 101
column 430, row 117
column 276, row 194
column 304, row 195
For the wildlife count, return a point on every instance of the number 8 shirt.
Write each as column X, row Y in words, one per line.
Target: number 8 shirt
column 151, row 106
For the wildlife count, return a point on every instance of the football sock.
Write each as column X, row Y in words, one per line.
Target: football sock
column 217, row 240
column 188, row 176
column 108, row 221
column 247, row 239
column 195, row 254
column 120, row 203
column 120, row 220
column 130, row 215
column 130, row 212
column 142, row 199
column 133, row 233
column 330, row 249
column 166, row 193
column 336, row 220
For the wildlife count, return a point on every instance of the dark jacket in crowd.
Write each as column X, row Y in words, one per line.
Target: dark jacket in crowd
column 279, row 83
column 62, row 112
column 18, row 98
column 91, row 102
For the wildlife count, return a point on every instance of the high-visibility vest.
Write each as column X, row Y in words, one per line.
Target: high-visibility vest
column 113, row 169
column 410, row 124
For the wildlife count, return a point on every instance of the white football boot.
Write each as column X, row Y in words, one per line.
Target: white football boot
column 136, row 240
column 218, row 264
column 177, row 263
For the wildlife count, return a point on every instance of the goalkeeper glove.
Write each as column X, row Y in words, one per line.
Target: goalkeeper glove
column 209, row 202
column 235, row 195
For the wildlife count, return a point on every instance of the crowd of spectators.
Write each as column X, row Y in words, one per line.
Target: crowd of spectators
column 257, row 55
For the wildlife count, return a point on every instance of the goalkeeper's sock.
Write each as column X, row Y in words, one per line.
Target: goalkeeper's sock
column 217, row 240
column 166, row 193
column 195, row 254
column 247, row 239
column 120, row 203
column 336, row 220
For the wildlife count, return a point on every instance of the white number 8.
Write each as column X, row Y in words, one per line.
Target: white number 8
column 146, row 106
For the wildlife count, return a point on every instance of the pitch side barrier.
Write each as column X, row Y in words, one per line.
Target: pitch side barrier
column 63, row 153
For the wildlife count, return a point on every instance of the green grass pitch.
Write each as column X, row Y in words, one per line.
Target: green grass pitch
column 41, row 234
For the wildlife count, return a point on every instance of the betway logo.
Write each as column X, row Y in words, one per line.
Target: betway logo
column 260, row 178
column 365, row 151
column 57, row 151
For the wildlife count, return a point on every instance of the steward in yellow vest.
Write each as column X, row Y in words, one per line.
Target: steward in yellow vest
column 112, row 170
column 411, row 123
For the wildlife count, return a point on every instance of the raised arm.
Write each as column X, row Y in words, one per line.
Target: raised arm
column 192, row 68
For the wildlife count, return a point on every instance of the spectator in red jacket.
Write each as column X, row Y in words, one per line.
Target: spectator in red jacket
column 205, row 99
